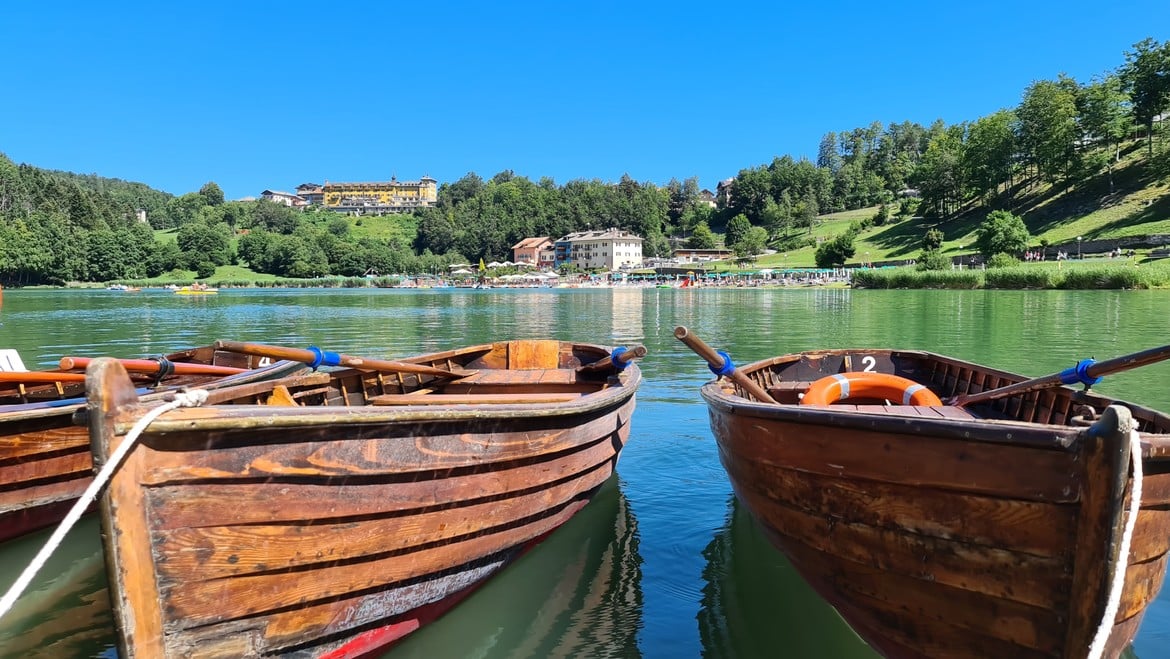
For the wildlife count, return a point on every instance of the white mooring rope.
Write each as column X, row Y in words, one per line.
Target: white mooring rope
column 192, row 398
column 1097, row 648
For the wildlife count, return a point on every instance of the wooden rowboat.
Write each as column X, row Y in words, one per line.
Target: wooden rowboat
column 330, row 514
column 45, row 461
column 988, row 527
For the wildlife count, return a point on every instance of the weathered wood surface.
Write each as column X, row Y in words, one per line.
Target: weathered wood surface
column 1037, row 528
column 907, row 459
column 989, row 571
column 257, row 527
column 988, row 532
column 45, row 461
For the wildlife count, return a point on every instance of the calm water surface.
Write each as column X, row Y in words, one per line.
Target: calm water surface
column 663, row 563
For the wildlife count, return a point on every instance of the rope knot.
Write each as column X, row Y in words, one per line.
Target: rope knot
column 192, row 398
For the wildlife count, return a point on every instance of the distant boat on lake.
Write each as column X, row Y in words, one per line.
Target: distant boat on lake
column 196, row 289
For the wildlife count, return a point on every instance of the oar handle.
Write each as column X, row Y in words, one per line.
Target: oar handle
column 718, row 362
column 616, row 360
column 1087, row 373
column 153, row 366
column 316, row 357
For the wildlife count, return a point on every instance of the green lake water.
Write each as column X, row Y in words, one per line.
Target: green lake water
column 663, row 563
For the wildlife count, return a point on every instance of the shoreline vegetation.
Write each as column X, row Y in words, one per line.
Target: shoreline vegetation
column 1124, row 274
column 1092, row 273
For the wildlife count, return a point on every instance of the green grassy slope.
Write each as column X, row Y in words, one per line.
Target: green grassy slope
column 1138, row 205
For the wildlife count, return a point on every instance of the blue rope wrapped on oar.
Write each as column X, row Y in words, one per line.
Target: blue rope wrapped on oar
column 721, row 365
column 1087, row 372
column 619, row 358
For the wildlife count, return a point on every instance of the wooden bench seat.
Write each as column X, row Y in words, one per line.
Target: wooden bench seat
column 472, row 399
column 534, row 376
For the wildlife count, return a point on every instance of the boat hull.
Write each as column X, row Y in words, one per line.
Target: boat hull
column 333, row 529
column 45, row 460
column 951, row 535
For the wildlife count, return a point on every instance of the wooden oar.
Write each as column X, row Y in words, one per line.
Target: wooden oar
column 1083, row 372
column 40, row 377
column 154, row 366
column 317, row 357
column 718, row 362
column 624, row 356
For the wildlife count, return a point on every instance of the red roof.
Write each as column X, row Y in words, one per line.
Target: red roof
column 528, row 243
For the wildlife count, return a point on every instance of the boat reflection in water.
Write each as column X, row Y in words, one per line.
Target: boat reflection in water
column 756, row 605
column 66, row 610
column 577, row 594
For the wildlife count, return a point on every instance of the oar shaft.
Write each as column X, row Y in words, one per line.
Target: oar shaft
column 1126, row 362
column 607, row 363
column 716, row 361
column 1095, row 370
column 154, row 366
column 1010, row 390
column 312, row 357
column 40, row 377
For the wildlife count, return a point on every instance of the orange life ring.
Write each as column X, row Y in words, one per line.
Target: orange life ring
column 867, row 384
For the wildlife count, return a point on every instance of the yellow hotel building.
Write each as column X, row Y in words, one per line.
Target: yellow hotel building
column 391, row 196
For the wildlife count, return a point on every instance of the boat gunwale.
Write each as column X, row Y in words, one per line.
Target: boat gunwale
column 612, row 392
column 229, row 417
column 1001, row 431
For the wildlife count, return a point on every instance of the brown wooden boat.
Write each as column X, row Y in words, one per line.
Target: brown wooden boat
column 45, row 459
column 990, row 526
column 330, row 514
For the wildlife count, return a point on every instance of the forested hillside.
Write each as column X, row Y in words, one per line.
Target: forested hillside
column 1062, row 142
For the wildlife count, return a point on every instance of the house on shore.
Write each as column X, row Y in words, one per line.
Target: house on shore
column 607, row 249
column 535, row 251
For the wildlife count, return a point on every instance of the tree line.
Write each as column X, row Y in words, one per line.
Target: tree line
column 1062, row 132
column 57, row 227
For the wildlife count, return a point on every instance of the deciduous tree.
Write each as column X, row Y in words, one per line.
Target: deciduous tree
column 1002, row 232
column 1146, row 76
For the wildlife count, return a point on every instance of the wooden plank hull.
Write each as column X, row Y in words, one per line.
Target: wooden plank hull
column 324, row 524
column 45, row 461
column 944, row 532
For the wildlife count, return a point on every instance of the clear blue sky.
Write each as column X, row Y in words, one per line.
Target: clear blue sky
column 256, row 95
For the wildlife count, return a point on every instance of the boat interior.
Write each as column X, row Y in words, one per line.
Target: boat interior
column 787, row 378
